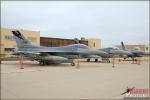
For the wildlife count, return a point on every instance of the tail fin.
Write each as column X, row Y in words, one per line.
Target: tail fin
column 76, row 41
column 20, row 39
column 123, row 47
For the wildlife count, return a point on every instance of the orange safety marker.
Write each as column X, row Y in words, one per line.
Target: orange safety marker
column 0, row 60
column 113, row 62
column 21, row 62
column 78, row 64
column 138, row 61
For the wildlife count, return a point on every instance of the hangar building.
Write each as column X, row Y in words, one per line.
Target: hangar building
column 94, row 43
column 54, row 42
column 8, row 44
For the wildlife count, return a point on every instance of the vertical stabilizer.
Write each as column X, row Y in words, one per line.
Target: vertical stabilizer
column 20, row 39
column 123, row 47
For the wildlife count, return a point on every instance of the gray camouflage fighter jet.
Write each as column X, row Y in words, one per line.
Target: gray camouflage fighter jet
column 136, row 52
column 46, row 55
column 113, row 52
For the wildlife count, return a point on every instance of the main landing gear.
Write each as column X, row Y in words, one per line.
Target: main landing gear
column 43, row 63
column 71, row 61
column 88, row 60
column 72, row 64
column 96, row 60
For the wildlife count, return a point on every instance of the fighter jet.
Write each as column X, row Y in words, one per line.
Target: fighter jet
column 57, row 55
column 116, row 52
column 113, row 52
column 136, row 52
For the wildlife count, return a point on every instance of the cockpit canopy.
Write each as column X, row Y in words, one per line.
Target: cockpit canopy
column 137, row 48
column 113, row 48
column 79, row 46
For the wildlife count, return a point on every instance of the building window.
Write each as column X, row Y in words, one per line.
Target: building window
column 9, row 49
column 9, row 37
column 94, row 44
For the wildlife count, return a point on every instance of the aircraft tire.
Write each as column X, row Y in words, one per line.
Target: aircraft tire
column 73, row 64
column 88, row 60
column 41, row 63
column 96, row 60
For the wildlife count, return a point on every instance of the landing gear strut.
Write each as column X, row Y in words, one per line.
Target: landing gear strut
column 134, row 60
column 43, row 63
column 88, row 60
column 72, row 64
column 96, row 60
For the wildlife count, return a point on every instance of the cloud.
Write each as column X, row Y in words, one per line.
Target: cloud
column 112, row 21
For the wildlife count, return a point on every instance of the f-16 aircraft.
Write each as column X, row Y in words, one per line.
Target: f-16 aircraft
column 136, row 52
column 46, row 55
column 114, row 52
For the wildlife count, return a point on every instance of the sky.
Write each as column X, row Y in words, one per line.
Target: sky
column 110, row 21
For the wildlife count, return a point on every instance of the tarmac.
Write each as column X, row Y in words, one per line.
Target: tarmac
column 92, row 80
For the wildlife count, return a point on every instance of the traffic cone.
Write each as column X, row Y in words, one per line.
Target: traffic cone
column 113, row 62
column 21, row 62
column 139, row 61
column 0, row 60
column 136, row 59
